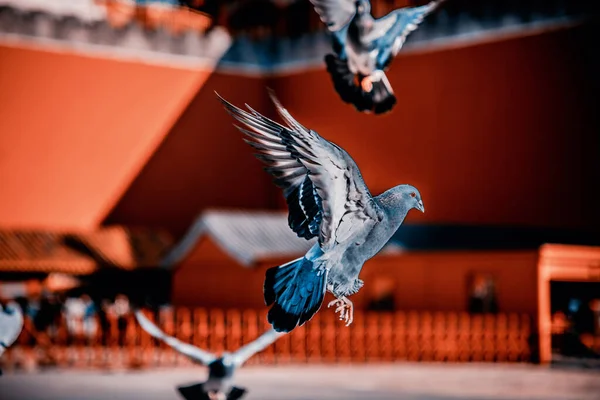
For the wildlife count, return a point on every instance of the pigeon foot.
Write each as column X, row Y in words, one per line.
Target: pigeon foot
column 366, row 84
column 345, row 308
column 216, row 395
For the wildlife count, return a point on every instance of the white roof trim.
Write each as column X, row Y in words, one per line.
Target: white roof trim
column 247, row 236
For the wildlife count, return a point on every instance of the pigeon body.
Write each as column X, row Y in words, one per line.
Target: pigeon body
column 364, row 47
column 11, row 324
column 221, row 370
column 327, row 198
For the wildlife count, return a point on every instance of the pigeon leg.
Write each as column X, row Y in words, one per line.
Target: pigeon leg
column 216, row 395
column 349, row 311
column 366, row 84
column 345, row 308
column 340, row 307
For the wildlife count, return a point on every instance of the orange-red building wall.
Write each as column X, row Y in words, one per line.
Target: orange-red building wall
column 75, row 131
column 497, row 133
column 438, row 281
column 210, row 278
column 202, row 163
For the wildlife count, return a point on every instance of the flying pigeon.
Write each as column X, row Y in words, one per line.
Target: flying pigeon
column 219, row 385
column 364, row 47
column 11, row 324
column 327, row 198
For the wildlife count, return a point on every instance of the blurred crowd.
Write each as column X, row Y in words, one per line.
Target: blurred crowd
column 85, row 318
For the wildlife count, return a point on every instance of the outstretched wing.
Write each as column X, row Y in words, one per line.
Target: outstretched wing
column 11, row 324
column 394, row 28
column 259, row 344
column 335, row 13
column 321, row 181
column 193, row 352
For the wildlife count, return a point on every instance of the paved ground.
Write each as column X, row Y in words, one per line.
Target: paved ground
column 376, row 382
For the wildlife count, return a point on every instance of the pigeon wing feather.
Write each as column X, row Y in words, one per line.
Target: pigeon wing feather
column 335, row 14
column 193, row 352
column 393, row 29
column 259, row 344
column 332, row 193
column 11, row 324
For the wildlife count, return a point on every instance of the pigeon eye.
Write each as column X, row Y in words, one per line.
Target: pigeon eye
column 413, row 194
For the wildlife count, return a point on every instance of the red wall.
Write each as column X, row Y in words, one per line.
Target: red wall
column 208, row 277
column 76, row 130
column 498, row 133
column 202, row 163
column 440, row 280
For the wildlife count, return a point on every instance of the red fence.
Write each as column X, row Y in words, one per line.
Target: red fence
column 373, row 337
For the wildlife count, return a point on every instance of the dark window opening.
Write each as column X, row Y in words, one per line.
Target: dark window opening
column 482, row 294
column 575, row 308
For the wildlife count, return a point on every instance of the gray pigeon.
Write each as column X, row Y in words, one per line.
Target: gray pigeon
column 364, row 47
column 327, row 198
column 11, row 324
column 219, row 385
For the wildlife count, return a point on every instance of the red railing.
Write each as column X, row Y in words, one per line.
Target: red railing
column 373, row 337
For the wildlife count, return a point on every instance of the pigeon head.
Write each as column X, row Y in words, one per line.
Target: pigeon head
column 363, row 6
column 412, row 197
column 405, row 196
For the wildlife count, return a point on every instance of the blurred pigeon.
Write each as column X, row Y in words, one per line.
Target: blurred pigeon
column 11, row 324
column 327, row 198
column 364, row 47
column 219, row 385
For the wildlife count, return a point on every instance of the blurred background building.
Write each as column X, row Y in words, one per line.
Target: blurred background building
column 124, row 184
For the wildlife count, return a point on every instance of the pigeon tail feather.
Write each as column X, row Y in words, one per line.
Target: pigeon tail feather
column 236, row 393
column 193, row 392
column 383, row 99
column 343, row 82
column 296, row 291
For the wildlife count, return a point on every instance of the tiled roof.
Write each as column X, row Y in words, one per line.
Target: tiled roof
column 22, row 251
column 86, row 10
column 157, row 32
column 81, row 253
column 123, row 247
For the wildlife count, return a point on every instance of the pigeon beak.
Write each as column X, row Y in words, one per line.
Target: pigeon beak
column 420, row 206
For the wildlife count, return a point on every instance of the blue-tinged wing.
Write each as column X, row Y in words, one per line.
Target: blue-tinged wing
column 273, row 144
column 390, row 32
column 11, row 324
column 196, row 354
column 335, row 14
column 242, row 355
column 345, row 206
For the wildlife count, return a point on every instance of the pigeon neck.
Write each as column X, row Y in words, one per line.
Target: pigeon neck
column 394, row 208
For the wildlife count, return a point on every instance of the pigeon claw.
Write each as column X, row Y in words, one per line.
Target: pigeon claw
column 217, row 395
column 345, row 308
column 366, row 84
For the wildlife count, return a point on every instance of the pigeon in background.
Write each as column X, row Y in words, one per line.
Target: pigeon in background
column 219, row 385
column 327, row 198
column 11, row 324
column 364, row 47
